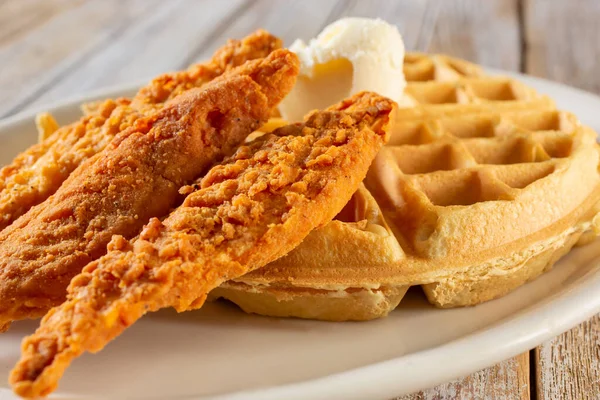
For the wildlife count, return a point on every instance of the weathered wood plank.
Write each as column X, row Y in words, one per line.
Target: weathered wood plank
column 506, row 380
column 288, row 20
column 561, row 39
column 413, row 18
column 50, row 52
column 150, row 45
column 18, row 17
column 485, row 32
column 568, row 366
column 561, row 44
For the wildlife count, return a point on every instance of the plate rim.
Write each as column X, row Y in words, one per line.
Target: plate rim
column 379, row 379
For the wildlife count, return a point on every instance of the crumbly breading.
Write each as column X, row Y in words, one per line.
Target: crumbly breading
column 135, row 178
column 254, row 208
column 39, row 171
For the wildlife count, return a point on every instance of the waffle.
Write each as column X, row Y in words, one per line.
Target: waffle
column 437, row 84
column 423, row 67
column 332, row 248
column 476, row 203
column 469, row 95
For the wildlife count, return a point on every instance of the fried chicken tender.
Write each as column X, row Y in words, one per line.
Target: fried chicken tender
column 39, row 171
column 252, row 209
column 135, row 178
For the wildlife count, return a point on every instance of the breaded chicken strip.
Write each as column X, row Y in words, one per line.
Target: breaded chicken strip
column 254, row 208
column 135, row 178
column 39, row 171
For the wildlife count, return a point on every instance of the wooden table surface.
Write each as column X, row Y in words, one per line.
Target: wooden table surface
column 54, row 49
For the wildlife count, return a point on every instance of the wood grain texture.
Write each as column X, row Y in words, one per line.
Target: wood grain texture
column 506, row 380
column 17, row 18
column 562, row 41
column 54, row 50
column 568, row 366
column 147, row 47
column 486, row 32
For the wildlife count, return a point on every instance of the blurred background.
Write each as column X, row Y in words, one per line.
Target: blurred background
column 54, row 49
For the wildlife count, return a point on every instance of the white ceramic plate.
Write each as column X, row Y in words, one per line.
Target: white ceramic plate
column 220, row 352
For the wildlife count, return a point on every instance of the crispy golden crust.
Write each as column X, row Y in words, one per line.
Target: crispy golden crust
column 39, row 171
column 480, row 204
column 137, row 177
column 255, row 207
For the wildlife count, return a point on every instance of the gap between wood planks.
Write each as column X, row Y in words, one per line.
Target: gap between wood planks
column 523, row 69
column 521, row 18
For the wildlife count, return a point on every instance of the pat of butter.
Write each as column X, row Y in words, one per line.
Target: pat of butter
column 349, row 56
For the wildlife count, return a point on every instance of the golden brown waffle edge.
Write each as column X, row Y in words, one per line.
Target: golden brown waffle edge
column 467, row 139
